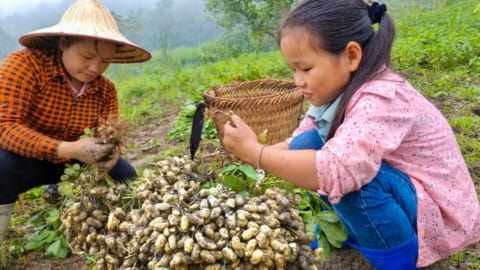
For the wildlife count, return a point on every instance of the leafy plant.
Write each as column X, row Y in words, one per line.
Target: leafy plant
column 437, row 50
column 47, row 237
column 241, row 178
column 322, row 221
column 183, row 124
column 318, row 215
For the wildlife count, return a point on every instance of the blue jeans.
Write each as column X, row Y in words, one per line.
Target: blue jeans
column 19, row 174
column 383, row 213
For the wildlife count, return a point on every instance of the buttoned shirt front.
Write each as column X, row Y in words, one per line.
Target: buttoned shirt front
column 323, row 116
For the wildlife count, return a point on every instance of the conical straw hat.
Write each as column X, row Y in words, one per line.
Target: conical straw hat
column 90, row 19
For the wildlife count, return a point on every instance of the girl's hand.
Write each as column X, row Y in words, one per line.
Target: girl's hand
column 88, row 150
column 240, row 140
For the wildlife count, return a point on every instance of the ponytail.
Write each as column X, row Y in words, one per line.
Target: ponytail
column 332, row 24
column 376, row 59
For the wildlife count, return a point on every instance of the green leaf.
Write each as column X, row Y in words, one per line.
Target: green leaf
column 70, row 171
column 228, row 168
column 244, row 193
column 317, row 202
column 35, row 218
column 52, row 216
column 66, row 189
column 231, row 182
column 52, row 235
column 328, row 216
column 38, row 240
column 53, row 249
column 213, row 190
column 334, row 232
column 41, row 235
column 34, row 193
column 33, row 245
column 307, row 216
column 304, row 203
column 207, row 185
column 76, row 166
column 327, row 249
column 58, row 249
column 310, row 225
column 249, row 171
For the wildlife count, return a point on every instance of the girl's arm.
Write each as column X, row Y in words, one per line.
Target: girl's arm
column 295, row 166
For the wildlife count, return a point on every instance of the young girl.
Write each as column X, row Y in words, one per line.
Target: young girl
column 383, row 155
column 53, row 89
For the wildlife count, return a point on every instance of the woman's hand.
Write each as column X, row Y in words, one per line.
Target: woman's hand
column 240, row 140
column 88, row 150
column 107, row 163
column 110, row 160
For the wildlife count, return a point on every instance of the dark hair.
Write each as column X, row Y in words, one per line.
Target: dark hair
column 70, row 40
column 332, row 24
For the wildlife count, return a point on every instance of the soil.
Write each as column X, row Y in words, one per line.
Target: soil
column 141, row 151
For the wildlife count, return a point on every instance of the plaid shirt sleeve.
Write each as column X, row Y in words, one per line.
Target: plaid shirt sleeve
column 38, row 110
column 17, row 80
column 110, row 108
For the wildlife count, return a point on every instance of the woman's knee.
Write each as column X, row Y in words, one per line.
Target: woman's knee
column 9, row 162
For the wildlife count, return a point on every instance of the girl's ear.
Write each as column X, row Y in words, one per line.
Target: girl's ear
column 353, row 55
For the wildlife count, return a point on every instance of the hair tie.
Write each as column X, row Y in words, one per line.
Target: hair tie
column 376, row 11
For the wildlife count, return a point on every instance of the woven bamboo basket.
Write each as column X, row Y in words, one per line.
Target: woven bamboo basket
column 268, row 105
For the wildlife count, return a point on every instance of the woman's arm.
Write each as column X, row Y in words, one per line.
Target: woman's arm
column 19, row 76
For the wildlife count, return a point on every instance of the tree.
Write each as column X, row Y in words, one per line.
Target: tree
column 260, row 17
column 130, row 25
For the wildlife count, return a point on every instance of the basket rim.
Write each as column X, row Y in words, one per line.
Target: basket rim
column 292, row 90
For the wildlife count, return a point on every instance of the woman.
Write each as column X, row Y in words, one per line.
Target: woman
column 53, row 89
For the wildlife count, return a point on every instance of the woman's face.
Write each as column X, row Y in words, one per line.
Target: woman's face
column 319, row 74
column 86, row 59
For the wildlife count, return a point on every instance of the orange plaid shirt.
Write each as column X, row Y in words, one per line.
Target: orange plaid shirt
column 38, row 109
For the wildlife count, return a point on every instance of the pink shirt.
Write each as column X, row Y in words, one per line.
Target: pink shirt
column 388, row 120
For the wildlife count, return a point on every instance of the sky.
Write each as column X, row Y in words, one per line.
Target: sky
column 8, row 7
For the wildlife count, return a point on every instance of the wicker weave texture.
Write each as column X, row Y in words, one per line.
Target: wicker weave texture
column 267, row 104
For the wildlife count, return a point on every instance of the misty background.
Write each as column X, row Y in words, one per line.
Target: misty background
column 153, row 24
column 218, row 28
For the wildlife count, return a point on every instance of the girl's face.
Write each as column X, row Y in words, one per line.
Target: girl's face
column 319, row 74
column 86, row 59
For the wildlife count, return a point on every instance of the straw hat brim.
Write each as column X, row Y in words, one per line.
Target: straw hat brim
column 88, row 19
column 127, row 52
